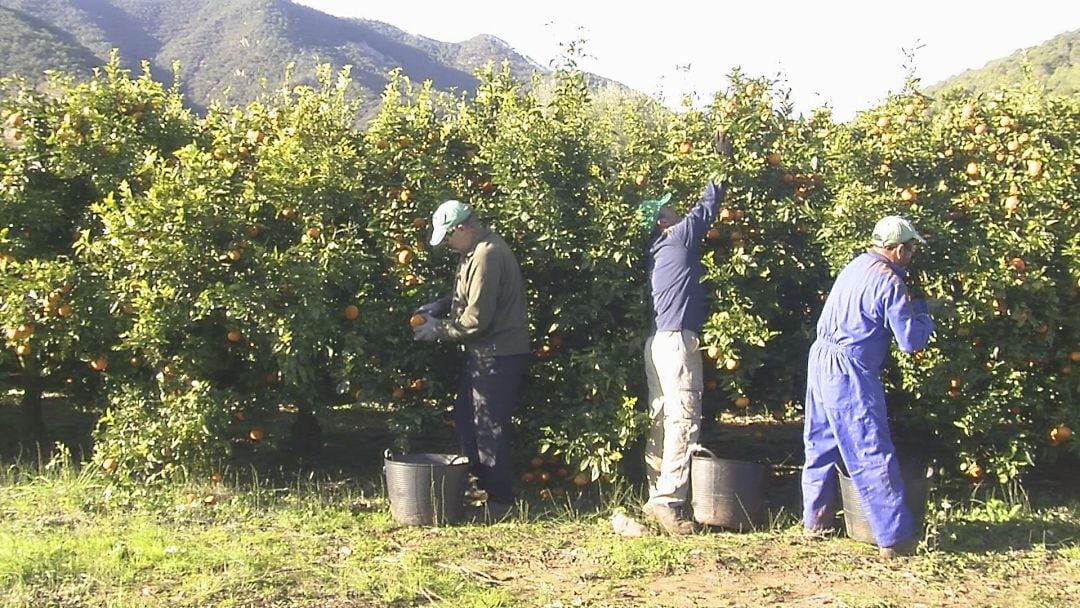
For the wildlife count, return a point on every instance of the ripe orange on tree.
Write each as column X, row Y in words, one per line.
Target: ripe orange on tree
column 233, row 335
column 404, row 256
column 581, row 480
column 100, row 364
column 417, row 320
column 352, row 311
column 256, row 434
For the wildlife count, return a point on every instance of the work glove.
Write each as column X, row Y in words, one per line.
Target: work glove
column 721, row 143
column 940, row 308
column 425, row 332
column 438, row 308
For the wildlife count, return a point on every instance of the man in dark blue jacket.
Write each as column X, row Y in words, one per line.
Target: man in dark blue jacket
column 672, row 348
column 846, row 422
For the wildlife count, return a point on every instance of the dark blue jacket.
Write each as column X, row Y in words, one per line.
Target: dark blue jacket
column 674, row 266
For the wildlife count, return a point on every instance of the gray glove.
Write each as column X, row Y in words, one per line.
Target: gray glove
column 438, row 308
column 425, row 332
column 940, row 308
column 721, row 143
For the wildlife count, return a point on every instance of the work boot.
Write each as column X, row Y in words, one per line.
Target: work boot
column 900, row 549
column 669, row 519
column 819, row 533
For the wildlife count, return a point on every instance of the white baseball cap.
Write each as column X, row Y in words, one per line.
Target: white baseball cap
column 892, row 230
column 449, row 214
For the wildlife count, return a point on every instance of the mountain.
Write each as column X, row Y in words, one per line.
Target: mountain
column 231, row 51
column 1054, row 64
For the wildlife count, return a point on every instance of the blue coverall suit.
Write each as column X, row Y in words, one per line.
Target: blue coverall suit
column 845, row 401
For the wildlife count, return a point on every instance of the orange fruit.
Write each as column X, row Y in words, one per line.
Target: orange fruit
column 352, row 311
column 404, row 256
column 773, row 158
column 110, row 464
column 742, row 402
column 256, row 434
column 726, row 215
column 417, row 320
column 581, row 480
column 712, row 234
column 313, row 232
column 686, row 147
column 731, row 364
column 713, row 352
column 23, row 350
column 397, row 393
column 536, row 462
column 233, row 335
column 417, row 384
column 908, row 195
column 234, row 255
column 100, row 364
column 1074, row 356
column 215, row 477
column 1060, row 433
column 640, row 179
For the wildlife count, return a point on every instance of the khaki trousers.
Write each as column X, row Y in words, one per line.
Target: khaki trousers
column 673, row 370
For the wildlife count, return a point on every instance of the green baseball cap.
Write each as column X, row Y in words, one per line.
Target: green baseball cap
column 892, row 230
column 449, row 214
column 650, row 209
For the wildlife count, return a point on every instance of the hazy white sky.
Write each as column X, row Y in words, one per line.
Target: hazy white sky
column 848, row 54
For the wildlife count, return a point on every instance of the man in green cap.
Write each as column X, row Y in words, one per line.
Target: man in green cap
column 486, row 313
column 673, row 365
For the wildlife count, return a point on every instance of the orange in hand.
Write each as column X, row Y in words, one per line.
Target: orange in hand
column 417, row 320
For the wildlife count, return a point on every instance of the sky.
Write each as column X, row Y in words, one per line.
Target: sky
column 849, row 55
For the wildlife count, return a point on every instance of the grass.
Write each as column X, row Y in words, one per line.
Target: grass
column 66, row 541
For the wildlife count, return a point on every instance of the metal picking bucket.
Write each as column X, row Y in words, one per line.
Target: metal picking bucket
column 426, row 489
column 727, row 493
column 916, row 489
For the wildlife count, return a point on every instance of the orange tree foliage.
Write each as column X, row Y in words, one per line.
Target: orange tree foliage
column 189, row 277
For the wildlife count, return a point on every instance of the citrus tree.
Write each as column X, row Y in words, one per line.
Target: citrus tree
column 991, row 181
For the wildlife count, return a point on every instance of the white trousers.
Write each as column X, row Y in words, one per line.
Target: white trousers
column 673, row 370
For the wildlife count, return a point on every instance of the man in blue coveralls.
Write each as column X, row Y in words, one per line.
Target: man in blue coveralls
column 845, row 420
column 672, row 349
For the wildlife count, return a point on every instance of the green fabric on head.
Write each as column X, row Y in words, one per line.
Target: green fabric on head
column 649, row 210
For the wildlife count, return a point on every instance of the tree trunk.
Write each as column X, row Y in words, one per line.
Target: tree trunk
column 33, row 424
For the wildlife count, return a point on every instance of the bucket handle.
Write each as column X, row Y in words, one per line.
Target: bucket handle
column 456, row 457
column 698, row 448
column 388, row 454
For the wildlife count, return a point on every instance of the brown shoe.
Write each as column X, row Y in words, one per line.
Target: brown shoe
column 900, row 549
column 819, row 533
column 669, row 519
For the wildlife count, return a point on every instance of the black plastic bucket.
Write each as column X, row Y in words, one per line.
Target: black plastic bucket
column 726, row 493
column 916, row 490
column 426, row 489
